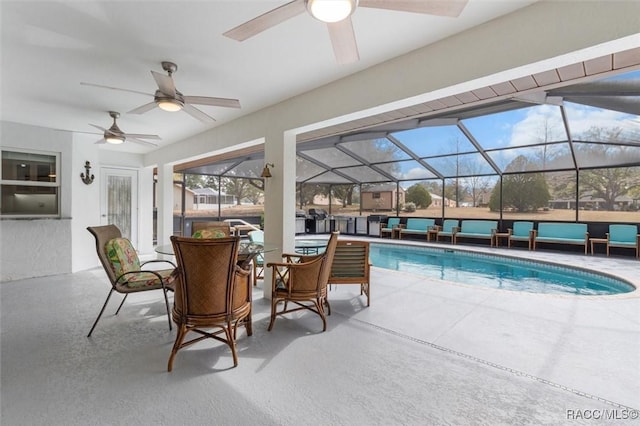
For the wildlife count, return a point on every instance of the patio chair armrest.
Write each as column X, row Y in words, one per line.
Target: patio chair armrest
column 242, row 271
column 279, row 264
column 291, row 257
column 308, row 260
column 146, row 271
column 158, row 261
column 298, row 258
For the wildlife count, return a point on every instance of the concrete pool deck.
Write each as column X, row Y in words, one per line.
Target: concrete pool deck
column 424, row 352
column 587, row 343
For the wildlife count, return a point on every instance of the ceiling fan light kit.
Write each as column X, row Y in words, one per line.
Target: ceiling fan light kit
column 113, row 139
column 115, row 136
column 331, row 10
column 167, row 104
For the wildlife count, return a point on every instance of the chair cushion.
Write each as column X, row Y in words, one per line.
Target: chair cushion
column 209, row 234
column 145, row 279
column 122, row 256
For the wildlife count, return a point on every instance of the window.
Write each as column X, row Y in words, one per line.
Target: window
column 30, row 184
column 375, row 195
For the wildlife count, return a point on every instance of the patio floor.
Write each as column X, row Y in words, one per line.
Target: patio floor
column 424, row 352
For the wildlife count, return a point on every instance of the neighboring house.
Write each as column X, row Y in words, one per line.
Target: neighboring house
column 177, row 197
column 381, row 197
column 436, row 201
column 207, row 199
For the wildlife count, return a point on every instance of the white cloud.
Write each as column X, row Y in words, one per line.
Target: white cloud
column 539, row 120
column 416, row 173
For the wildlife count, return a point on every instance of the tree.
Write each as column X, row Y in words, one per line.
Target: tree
column 609, row 183
column 193, row 181
column 454, row 191
column 305, row 193
column 418, row 195
column 476, row 185
column 240, row 188
column 521, row 191
column 343, row 193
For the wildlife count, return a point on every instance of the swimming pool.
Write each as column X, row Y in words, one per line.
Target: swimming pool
column 494, row 271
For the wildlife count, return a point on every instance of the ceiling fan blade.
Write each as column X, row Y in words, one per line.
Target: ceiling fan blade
column 136, row 140
column 100, row 141
column 451, row 8
column 343, row 40
column 98, row 127
column 165, row 84
column 266, row 20
column 143, row 108
column 114, row 88
column 138, row 136
column 205, row 100
column 197, row 114
column 111, row 132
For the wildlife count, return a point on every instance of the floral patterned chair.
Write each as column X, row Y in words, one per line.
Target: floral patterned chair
column 125, row 271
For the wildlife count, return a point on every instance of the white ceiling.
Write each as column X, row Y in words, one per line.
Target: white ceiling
column 49, row 47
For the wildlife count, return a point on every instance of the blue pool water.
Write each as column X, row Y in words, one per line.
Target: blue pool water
column 494, row 271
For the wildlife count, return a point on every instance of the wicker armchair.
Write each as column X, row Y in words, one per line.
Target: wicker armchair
column 212, row 292
column 124, row 270
column 302, row 280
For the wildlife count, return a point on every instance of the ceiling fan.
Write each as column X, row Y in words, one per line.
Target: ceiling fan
column 116, row 136
column 168, row 98
column 337, row 15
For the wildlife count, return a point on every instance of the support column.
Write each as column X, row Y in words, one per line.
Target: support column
column 279, row 199
column 165, row 203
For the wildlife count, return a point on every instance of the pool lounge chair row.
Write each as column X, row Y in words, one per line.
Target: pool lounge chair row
column 619, row 235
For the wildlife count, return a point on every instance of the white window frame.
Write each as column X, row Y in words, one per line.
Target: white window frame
column 54, row 184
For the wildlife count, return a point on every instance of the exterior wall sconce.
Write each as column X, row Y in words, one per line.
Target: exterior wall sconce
column 266, row 173
column 87, row 179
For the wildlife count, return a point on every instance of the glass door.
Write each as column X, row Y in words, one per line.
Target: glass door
column 119, row 201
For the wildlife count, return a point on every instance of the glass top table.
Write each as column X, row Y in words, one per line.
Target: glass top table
column 247, row 250
column 306, row 247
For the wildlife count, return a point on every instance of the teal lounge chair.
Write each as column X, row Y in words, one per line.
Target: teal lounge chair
column 392, row 223
column 624, row 236
column 449, row 228
column 521, row 231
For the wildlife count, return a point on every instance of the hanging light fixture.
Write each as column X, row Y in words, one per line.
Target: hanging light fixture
column 331, row 10
column 266, row 173
column 169, row 104
column 114, row 139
